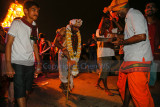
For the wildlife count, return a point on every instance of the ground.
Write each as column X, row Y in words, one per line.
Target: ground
column 46, row 93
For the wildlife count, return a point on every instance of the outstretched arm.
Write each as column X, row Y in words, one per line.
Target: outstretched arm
column 58, row 42
column 132, row 40
column 120, row 28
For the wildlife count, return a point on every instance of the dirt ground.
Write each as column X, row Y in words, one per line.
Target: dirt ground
column 46, row 93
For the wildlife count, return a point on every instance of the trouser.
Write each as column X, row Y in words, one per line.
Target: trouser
column 23, row 79
column 153, row 74
column 63, row 71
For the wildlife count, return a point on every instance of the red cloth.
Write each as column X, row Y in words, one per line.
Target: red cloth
column 152, row 32
column 33, row 35
column 134, row 69
column 154, row 35
column 137, row 84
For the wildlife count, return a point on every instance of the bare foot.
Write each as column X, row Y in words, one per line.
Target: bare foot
column 99, row 87
column 109, row 93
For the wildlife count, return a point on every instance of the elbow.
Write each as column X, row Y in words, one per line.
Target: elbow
column 56, row 43
column 143, row 37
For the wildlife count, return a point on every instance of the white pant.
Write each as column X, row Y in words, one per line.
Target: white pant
column 63, row 70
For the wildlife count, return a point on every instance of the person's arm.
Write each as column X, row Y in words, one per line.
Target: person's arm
column 57, row 43
column 120, row 28
column 138, row 24
column 38, row 68
column 9, row 70
column 119, row 36
column 132, row 40
column 49, row 43
column 101, row 38
column 102, row 26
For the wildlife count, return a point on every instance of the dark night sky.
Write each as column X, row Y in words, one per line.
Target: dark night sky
column 57, row 13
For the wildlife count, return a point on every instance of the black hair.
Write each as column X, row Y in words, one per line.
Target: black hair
column 152, row 1
column 28, row 4
column 156, row 2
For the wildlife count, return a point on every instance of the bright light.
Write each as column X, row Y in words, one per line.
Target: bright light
column 15, row 10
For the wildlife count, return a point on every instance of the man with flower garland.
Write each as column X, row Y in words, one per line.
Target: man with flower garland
column 68, row 40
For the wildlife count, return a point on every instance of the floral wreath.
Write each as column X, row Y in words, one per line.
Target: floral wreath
column 74, row 56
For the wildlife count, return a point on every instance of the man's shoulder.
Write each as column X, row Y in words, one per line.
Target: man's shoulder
column 17, row 21
column 134, row 12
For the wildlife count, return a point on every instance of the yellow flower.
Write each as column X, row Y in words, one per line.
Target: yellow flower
column 70, row 49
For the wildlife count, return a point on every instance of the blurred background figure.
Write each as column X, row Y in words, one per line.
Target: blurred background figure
column 105, row 52
column 84, row 59
column 44, row 53
column 92, row 49
column 151, row 12
column 5, row 82
column 54, row 58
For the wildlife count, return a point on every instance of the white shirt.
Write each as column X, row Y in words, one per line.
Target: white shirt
column 101, row 50
column 22, row 47
column 136, row 24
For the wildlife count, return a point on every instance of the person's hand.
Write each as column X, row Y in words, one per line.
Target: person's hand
column 38, row 69
column 10, row 71
column 110, row 35
column 65, row 53
column 107, row 9
column 49, row 43
column 117, row 42
column 71, row 62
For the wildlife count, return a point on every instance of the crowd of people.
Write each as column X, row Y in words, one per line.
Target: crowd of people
column 24, row 52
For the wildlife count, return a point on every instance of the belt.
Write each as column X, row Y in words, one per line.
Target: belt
column 136, row 65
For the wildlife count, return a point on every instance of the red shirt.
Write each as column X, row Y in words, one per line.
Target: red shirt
column 152, row 32
column 154, row 36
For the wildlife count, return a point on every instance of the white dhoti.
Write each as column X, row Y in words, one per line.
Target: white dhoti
column 63, row 70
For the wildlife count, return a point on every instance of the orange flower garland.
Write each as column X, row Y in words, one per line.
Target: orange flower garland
column 73, row 55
